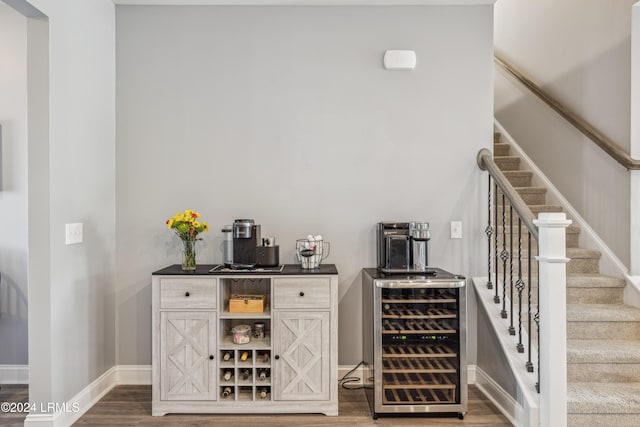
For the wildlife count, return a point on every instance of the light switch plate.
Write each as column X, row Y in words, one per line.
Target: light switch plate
column 456, row 229
column 73, row 233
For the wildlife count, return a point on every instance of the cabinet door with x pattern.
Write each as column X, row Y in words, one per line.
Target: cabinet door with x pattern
column 188, row 365
column 301, row 351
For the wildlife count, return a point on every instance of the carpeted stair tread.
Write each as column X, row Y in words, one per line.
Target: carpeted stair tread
column 602, row 313
column 545, row 208
column 517, row 173
column 572, row 229
column 589, row 280
column 577, row 280
column 575, row 253
column 598, row 351
column 603, row 398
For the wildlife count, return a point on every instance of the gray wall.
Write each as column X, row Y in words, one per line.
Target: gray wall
column 71, row 179
column 579, row 51
column 286, row 115
column 13, row 188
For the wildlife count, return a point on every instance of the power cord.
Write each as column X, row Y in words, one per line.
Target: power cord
column 348, row 379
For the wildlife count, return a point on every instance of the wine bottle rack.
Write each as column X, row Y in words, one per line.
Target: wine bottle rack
column 243, row 377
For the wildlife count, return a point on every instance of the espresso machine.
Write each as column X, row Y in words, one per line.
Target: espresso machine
column 403, row 247
column 246, row 237
column 244, row 249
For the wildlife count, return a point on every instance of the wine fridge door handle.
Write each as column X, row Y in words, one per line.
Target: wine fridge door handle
column 414, row 284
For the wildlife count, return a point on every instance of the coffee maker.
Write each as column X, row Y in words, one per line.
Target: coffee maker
column 246, row 237
column 403, row 247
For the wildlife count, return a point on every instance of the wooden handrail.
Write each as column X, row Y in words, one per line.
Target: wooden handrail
column 485, row 162
column 607, row 145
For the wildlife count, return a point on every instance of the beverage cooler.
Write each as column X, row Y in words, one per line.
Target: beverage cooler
column 414, row 342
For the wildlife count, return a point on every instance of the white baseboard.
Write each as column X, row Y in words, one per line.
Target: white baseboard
column 496, row 394
column 14, row 374
column 67, row 413
column 133, row 375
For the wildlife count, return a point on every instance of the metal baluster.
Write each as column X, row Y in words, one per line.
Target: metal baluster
column 512, row 330
column 529, row 364
column 496, row 297
column 520, row 287
column 488, row 231
column 504, row 255
column 537, row 319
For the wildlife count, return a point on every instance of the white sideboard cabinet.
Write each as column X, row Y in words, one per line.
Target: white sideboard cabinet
column 197, row 367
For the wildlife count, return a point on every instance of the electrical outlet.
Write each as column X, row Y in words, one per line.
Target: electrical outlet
column 73, row 233
column 456, row 229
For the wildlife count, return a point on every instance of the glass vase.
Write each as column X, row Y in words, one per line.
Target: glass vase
column 189, row 255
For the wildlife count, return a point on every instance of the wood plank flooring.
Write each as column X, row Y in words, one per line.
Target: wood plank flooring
column 130, row 405
column 13, row 393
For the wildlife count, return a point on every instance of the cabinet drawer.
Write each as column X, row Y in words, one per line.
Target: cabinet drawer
column 301, row 293
column 188, row 293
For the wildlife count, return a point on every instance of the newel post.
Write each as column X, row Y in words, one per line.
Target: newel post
column 552, row 274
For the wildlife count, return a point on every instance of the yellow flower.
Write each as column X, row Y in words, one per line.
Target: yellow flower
column 186, row 224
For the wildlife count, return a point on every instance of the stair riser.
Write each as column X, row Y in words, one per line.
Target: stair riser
column 496, row 137
column 603, row 373
column 603, row 420
column 574, row 295
column 508, row 164
column 520, row 180
column 576, row 265
column 571, row 241
column 583, row 265
column 525, row 268
column 513, row 219
column 594, row 295
column 528, row 198
column 603, row 330
column 501, row 149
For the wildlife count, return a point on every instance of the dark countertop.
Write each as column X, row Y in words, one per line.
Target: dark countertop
column 433, row 274
column 288, row 270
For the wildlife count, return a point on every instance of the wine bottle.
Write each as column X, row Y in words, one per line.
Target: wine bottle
column 262, row 375
column 263, row 393
column 244, row 356
column 265, row 357
column 227, row 392
column 227, row 356
column 227, row 375
column 246, row 373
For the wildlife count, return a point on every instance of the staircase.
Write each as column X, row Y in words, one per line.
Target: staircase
column 603, row 347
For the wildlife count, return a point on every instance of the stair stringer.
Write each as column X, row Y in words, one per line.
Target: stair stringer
column 525, row 412
column 610, row 264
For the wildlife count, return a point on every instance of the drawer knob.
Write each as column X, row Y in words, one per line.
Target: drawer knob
column 186, row 294
column 301, row 293
column 211, row 357
column 276, row 357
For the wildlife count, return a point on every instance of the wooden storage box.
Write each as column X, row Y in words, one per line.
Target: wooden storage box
column 246, row 303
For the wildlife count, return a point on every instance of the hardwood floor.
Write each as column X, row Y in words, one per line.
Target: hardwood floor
column 131, row 406
column 13, row 394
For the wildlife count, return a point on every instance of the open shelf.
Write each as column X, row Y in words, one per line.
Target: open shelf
column 226, row 314
column 255, row 344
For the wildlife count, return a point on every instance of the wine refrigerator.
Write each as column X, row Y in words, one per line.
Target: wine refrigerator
column 414, row 342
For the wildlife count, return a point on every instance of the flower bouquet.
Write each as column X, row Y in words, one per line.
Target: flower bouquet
column 187, row 227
